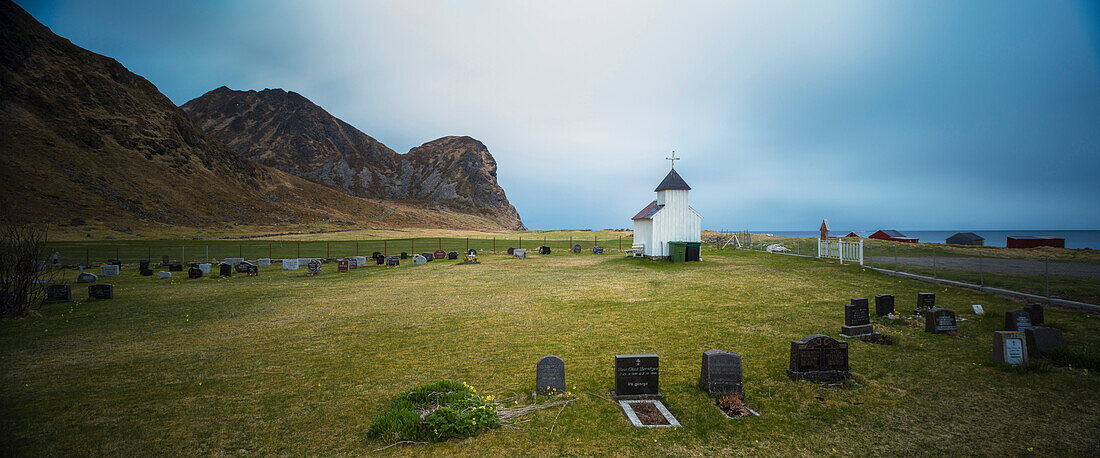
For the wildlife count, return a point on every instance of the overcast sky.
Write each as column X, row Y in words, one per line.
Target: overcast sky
column 910, row 115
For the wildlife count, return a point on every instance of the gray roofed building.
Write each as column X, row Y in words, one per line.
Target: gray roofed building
column 672, row 181
column 966, row 238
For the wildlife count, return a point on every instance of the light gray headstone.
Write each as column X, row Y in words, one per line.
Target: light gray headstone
column 87, row 277
column 290, row 264
column 164, row 275
column 263, row 262
column 205, row 268
column 108, row 270
column 419, row 259
column 520, row 252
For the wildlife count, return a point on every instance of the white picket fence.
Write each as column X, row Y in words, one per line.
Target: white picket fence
column 841, row 249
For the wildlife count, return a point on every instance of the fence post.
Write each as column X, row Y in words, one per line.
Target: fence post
column 441, row 243
column 268, row 250
column 494, row 244
column 467, row 244
column 620, row 243
column 183, row 255
column 385, row 247
column 299, row 248
column 412, row 245
column 240, row 250
column 116, row 254
column 208, row 253
column 861, row 252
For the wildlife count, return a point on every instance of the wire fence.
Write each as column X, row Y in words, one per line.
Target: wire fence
column 93, row 253
column 1050, row 272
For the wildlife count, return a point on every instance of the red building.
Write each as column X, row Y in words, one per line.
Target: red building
column 1032, row 241
column 852, row 234
column 893, row 236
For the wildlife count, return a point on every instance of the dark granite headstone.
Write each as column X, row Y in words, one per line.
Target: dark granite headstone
column 393, row 261
column 597, row 250
column 59, row 293
column 428, row 256
column 637, row 376
column 884, row 304
column 925, row 301
column 164, row 260
column 1036, row 313
column 550, row 376
column 114, row 262
column 194, row 272
column 542, row 250
column 576, row 248
column 404, row 255
column 1017, row 320
column 146, row 272
column 379, row 260
column 857, row 319
column 177, row 267
column 452, row 255
column 142, row 265
column 376, row 254
column 721, row 372
column 225, row 270
column 242, row 267
column 511, row 250
column 101, row 291
column 313, row 267
column 342, row 266
column 1042, row 339
column 820, row 358
column 1009, row 347
column 939, row 321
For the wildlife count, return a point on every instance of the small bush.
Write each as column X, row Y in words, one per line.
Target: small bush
column 1075, row 357
column 436, row 412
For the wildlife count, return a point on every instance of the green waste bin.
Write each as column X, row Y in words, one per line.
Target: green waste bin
column 677, row 251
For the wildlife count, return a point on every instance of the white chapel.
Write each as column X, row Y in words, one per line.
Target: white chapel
column 667, row 219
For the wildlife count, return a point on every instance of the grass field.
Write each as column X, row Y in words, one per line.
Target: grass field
column 292, row 365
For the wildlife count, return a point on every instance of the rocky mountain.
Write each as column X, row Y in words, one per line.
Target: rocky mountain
column 289, row 132
column 81, row 137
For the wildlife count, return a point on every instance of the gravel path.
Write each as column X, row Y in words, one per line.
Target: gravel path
column 1018, row 266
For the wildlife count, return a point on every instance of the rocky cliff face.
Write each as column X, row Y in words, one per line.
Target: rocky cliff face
column 287, row 131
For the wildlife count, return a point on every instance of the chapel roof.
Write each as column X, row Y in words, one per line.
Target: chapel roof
column 672, row 181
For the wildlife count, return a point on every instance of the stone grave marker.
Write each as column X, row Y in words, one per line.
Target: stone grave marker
column 419, row 259
column 925, row 301
column 819, row 358
column 978, row 310
column 857, row 319
column 101, row 291
column 164, row 260
column 162, row 275
column 884, row 304
column 428, row 256
column 440, row 254
column 597, row 250
column 379, row 260
column 59, row 293
column 520, row 253
column 1009, row 347
column 114, row 262
column 143, row 265
column 1042, row 339
column 1035, row 311
column 452, row 255
column 87, row 277
column 56, row 259
column 313, row 267
column 304, row 261
column 721, row 372
column 146, row 272
column 404, row 255
column 194, row 272
column 263, row 262
column 550, row 376
column 225, row 270
column 108, row 270
column 511, row 251
column 542, row 250
column 376, row 254
column 393, row 261
column 252, row 270
column 234, row 261
column 290, row 264
column 177, row 267
column 471, row 251
column 576, row 248
column 939, row 321
column 205, row 268
column 1017, row 320
column 637, row 377
column 361, row 260
column 342, row 266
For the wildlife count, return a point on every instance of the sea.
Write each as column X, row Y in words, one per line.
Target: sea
column 1074, row 239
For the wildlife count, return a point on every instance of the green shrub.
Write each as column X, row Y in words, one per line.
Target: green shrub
column 435, row 412
column 1075, row 357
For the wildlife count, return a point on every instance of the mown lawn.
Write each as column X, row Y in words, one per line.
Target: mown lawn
column 292, row 365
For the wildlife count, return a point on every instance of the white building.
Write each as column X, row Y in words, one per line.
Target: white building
column 667, row 219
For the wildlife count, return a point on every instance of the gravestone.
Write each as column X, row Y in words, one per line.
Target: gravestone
column 164, row 260
column 576, row 248
column 177, row 267
column 884, row 304
column 1009, row 347
column 511, row 250
column 313, row 267
column 978, row 310
column 393, row 261
column 721, row 372
column 143, row 265
column 597, row 250
column 87, row 277
column 360, row 261
column 637, row 376
column 290, row 264
column 342, row 266
column 379, row 260
column 225, row 270
column 819, row 358
column 439, row 254
column 162, row 275
column 252, row 270
column 234, row 261
column 205, row 268
column 925, row 301
column 108, row 270
column 1036, row 313
column 376, row 254
column 419, row 259
column 194, row 272
column 857, row 319
column 1017, row 320
column 542, row 250
column 1042, row 339
column 146, row 272
column 114, row 262
column 56, row 259
column 304, row 261
column 471, row 251
column 520, row 253
column 452, row 255
column 353, row 263
column 404, row 255
column 59, row 293
column 263, row 262
column 428, row 256
column 550, row 376
column 939, row 321
column 859, row 301
column 101, row 292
